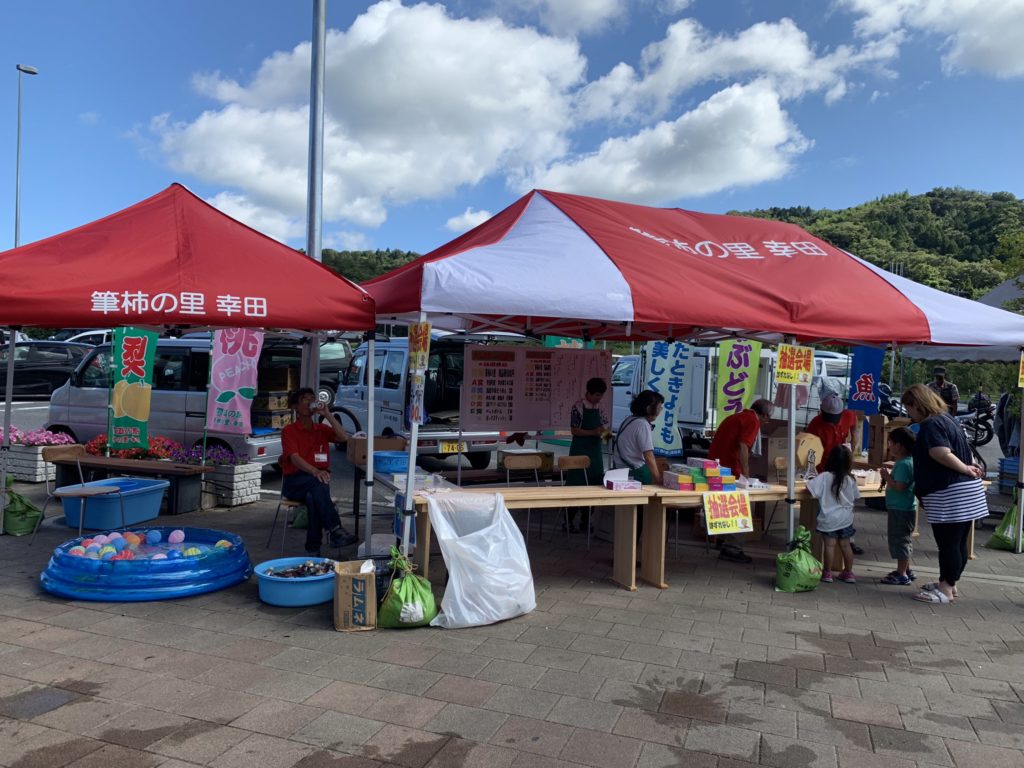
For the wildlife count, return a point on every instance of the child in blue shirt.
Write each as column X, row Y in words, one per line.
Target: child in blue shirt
column 901, row 505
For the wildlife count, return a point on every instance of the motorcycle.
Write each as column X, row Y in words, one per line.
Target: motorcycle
column 977, row 419
column 888, row 404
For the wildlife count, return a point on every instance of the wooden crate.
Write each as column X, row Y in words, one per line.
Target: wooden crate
column 270, row 401
column 271, row 419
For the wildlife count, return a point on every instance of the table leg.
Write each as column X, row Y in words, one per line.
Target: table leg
column 652, row 544
column 624, row 547
column 424, row 536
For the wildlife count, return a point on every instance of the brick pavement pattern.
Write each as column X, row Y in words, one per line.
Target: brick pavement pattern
column 718, row 671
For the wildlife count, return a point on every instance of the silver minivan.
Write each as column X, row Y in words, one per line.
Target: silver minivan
column 181, row 373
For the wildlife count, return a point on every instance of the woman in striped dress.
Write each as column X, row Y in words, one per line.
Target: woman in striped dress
column 948, row 483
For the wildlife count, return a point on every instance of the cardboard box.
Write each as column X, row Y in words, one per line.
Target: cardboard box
column 355, row 597
column 547, row 458
column 272, row 419
column 879, row 427
column 270, row 401
column 279, row 379
column 623, row 485
column 355, row 449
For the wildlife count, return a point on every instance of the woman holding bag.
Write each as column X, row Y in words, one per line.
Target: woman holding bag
column 634, row 445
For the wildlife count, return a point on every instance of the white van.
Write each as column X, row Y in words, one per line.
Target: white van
column 181, row 373
column 442, row 392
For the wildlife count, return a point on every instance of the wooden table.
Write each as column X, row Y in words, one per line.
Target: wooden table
column 624, row 547
column 183, row 495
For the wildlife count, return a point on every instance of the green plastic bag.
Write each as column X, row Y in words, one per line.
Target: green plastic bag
column 20, row 515
column 1005, row 536
column 410, row 600
column 301, row 517
column 797, row 570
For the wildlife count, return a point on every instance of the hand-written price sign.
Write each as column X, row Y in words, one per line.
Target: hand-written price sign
column 727, row 512
column 1020, row 376
column 795, row 366
column 419, row 346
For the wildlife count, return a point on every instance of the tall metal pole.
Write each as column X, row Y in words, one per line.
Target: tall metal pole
column 314, row 198
column 23, row 69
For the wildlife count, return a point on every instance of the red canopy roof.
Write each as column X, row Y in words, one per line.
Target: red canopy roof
column 571, row 265
column 173, row 259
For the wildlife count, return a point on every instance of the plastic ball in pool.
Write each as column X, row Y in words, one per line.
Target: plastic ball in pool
column 100, row 539
column 131, row 538
column 153, row 537
column 223, row 544
column 119, row 544
column 159, row 556
column 174, row 554
column 108, row 554
column 93, row 548
column 192, row 552
column 176, row 536
column 86, row 543
column 114, row 535
column 78, row 551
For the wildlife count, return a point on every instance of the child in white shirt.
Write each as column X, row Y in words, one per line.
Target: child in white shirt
column 837, row 491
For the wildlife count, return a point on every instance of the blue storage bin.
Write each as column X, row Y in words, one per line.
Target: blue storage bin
column 311, row 590
column 390, row 461
column 142, row 497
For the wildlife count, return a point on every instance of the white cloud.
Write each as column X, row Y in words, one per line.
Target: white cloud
column 738, row 137
column 690, row 55
column 466, row 220
column 417, row 104
column 980, row 35
column 343, row 240
column 269, row 221
column 566, row 17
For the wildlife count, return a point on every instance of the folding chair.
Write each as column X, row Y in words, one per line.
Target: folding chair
column 523, row 462
column 81, row 491
column 578, row 464
column 289, row 506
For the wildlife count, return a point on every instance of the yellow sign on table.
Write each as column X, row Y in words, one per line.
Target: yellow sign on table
column 795, row 365
column 727, row 512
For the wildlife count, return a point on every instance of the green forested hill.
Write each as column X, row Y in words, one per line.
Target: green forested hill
column 956, row 240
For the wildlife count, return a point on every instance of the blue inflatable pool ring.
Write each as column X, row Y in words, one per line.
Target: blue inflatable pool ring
column 156, row 571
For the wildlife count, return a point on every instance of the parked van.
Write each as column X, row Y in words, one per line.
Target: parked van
column 181, row 373
column 442, row 392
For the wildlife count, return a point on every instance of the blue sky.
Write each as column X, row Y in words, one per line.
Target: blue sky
column 439, row 115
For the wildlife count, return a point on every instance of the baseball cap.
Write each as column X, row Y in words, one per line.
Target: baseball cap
column 939, row 370
column 832, row 404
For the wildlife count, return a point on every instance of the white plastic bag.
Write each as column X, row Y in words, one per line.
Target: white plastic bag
column 489, row 577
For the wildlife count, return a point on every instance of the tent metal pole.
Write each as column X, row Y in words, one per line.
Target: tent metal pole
column 1020, row 485
column 371, row 429
column 410, row 481
column 791, row 462
column 5, row 444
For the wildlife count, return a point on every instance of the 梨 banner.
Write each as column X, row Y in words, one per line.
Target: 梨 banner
column 738, row 362
column 134, row 351
column 233, row 363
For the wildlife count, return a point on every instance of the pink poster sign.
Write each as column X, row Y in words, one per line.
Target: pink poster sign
column 233, row 359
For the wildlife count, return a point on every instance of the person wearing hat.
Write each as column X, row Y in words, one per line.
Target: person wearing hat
column 832, row 426
column 945, row 389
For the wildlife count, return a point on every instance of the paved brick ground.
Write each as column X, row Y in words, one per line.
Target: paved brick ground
column 716, row 671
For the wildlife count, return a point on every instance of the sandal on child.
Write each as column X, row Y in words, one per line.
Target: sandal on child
column 933, row 596
column 896, row 579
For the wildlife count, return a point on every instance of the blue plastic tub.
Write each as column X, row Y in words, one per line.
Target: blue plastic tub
column 81, row 578
column 390, row 461
column 311, row 590
column 142, row 497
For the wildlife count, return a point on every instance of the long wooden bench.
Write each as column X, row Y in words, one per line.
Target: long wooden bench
column 183, row 495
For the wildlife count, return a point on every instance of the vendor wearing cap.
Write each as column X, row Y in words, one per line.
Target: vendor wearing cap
column 832, row 426
column 945, row 389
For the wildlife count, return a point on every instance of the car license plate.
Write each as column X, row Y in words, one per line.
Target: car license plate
column 453, row 446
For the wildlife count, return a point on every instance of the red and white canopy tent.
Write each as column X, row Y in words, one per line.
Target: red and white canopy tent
column 170, row 260
column 554, row 263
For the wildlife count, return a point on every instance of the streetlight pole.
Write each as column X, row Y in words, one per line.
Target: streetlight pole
column 23, row 69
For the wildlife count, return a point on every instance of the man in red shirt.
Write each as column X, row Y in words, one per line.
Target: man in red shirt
column 737, row 434
column 305, row 463
column 832, row 426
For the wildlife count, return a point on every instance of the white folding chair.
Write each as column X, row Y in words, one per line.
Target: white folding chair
column 81, row 491
column 574, row 464
column 524, row 462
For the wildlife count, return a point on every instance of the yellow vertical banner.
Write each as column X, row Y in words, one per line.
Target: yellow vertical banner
column 738, row 362
column 419, row 346
column 795, row 365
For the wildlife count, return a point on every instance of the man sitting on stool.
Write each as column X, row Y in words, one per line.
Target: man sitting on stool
column 305, row 463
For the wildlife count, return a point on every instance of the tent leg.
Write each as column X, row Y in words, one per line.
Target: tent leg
column 1020, row 489
column 791, row 462
column 371, row 430
column 410, row 480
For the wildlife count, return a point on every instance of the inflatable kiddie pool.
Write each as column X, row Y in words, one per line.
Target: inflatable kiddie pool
column 161, row 563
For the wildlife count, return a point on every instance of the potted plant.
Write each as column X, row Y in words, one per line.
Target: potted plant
column 231, row 481
column 26, row 454
column 160, row 447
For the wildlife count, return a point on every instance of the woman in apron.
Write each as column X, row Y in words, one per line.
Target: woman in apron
column 588, row 426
